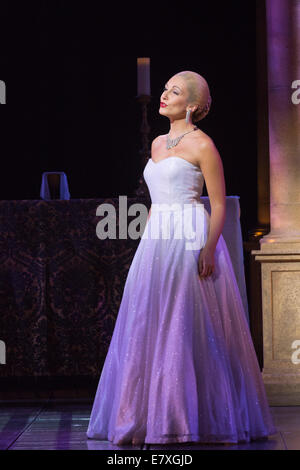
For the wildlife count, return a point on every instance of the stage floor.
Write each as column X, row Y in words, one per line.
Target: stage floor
column 62, row 426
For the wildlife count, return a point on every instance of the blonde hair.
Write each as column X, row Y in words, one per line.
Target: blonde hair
column 199, row 93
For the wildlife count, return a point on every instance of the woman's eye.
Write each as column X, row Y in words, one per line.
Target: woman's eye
column 173, row 91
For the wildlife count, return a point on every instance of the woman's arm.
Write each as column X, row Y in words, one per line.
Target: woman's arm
column 212, row 169
column 154, row 145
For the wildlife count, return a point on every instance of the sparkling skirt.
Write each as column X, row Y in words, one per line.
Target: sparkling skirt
column 181, row 366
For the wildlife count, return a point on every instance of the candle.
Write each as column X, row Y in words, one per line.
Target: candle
column 2, row 92
column 143, row 64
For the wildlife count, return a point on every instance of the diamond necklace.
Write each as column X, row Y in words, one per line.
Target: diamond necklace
column 173, row 142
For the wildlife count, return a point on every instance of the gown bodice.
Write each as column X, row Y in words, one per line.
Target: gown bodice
column 173, row 180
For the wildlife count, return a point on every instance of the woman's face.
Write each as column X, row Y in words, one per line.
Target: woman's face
column 174, row 98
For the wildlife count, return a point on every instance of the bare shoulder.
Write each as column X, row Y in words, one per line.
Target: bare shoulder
column 157, row 141
column 205, row 150
column 211, row 165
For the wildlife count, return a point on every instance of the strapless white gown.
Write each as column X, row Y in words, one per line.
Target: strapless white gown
column 181, row 365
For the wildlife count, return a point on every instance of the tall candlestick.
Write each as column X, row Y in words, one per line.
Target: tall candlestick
column 143, row 64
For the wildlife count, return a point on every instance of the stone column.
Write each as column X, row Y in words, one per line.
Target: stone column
column 279, row 252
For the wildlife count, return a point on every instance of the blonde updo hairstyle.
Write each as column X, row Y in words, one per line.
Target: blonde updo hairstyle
column 199, row 94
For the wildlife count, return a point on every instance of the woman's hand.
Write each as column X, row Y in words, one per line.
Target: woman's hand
column 206, row 262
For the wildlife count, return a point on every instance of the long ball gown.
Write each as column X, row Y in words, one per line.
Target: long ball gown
column 181, row 365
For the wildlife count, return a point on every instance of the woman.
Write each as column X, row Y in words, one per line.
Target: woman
column 181, row 366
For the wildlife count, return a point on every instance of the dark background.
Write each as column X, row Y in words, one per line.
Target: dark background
column 71, row 75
